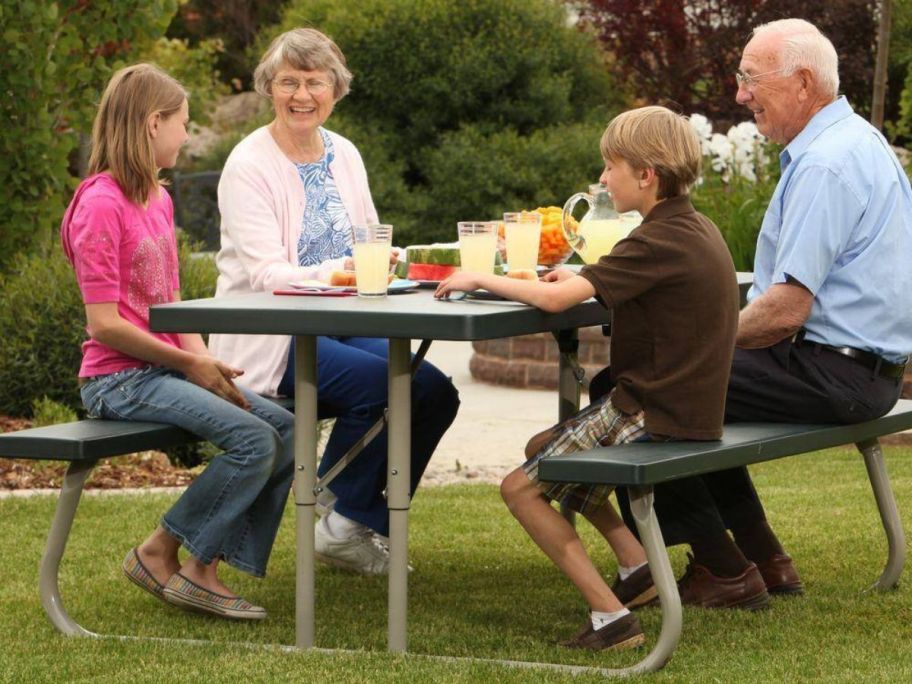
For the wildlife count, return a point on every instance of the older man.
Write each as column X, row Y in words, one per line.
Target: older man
column 828, row 327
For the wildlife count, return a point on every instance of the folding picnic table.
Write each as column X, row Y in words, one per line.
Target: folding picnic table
column 400, row 318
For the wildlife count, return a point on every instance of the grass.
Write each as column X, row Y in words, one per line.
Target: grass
column 480, row 588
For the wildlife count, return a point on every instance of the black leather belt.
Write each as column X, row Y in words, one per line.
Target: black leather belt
column 871, row 361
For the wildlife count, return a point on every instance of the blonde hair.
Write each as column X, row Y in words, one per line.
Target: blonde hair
column 304, row 49
column 656, row 138
column 805, row 47
column 121, row 144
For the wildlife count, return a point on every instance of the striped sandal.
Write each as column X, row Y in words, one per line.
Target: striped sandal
column 139, row 574
column 184, row 593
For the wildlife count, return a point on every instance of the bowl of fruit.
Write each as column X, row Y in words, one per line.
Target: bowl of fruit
column 553, row 248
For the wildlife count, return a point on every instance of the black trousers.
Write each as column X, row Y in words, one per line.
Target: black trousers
column 784, row 383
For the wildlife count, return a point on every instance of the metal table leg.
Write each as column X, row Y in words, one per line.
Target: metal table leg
column 568, row 388
column 889, row 515
column 305, row 448
column 397, row 487
column 70, row 493
column 641, row 499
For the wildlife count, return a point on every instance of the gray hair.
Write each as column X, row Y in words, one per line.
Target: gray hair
column 304, row 49
column 805, row 47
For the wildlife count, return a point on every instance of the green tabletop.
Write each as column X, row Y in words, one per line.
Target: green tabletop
column 415, row 315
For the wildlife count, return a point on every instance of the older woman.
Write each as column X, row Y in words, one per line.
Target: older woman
column 288, row 196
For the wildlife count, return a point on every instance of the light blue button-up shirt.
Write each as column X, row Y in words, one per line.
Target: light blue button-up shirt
column 840, row 223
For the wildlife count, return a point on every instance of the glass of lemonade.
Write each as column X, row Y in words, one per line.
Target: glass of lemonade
column 522, row 232
column 372, row 246
column 477, row 245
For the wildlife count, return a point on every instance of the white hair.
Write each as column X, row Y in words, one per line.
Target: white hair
column 805, row 47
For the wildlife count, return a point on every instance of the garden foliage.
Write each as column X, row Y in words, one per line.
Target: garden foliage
column 685, row 54
column 42, row 325
column 465, row 110
column 56, row 57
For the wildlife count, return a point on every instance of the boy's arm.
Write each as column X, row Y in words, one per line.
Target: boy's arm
column 550, row 297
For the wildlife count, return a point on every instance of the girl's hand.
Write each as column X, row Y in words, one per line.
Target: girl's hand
column 217, row 377
column 458, row 282
column 557, row 275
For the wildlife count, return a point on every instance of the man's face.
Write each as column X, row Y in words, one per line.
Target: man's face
column 781, row 104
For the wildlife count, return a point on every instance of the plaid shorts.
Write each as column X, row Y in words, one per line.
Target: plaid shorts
column 599, row 424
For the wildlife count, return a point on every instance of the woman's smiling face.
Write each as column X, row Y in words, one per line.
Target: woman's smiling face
column 300, row 112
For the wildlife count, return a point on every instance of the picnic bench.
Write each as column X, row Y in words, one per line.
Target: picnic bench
column 642, row 465
column 82, row 443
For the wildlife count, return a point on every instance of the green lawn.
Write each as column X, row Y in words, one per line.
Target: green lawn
column 479, row 588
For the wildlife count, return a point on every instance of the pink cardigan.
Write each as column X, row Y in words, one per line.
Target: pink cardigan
column 261, row 201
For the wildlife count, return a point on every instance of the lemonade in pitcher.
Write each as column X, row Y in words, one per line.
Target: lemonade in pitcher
column 601, row 228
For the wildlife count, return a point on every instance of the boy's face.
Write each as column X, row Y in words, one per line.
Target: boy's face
column 623, row 182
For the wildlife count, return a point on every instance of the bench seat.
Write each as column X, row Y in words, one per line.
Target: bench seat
column 650, row 463
column 642, row 465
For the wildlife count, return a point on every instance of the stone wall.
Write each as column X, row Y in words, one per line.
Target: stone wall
column 531, row 361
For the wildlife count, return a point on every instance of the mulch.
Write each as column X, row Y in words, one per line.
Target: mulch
column 141, row 470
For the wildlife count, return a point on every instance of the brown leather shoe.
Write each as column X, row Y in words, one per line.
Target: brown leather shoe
column 637, row 590
column 623, row 633
column 780, row 575
column 699, row 587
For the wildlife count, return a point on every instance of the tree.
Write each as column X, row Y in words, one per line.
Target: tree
column 685, row 52
column 57, row 57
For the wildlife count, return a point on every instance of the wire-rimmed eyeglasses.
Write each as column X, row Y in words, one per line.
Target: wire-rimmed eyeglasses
column 290, row 86
column 750, row 81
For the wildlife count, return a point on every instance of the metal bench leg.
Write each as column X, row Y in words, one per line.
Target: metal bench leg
column 641, row 499
column 889, row 516
column 70, row 493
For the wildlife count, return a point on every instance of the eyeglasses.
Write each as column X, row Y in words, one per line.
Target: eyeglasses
column 749, row 81
column 290, row 86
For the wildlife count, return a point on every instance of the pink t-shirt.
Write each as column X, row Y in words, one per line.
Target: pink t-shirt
column 121, row 253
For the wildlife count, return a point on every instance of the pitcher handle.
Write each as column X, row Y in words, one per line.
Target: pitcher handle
column 575, row 239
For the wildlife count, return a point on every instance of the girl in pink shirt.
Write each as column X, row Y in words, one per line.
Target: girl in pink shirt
column 118, row 232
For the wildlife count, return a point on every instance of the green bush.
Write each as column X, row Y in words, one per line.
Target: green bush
column 56, row 58
column 42, row 325
column 478, row 176
column 434, row 75
column 48, row 412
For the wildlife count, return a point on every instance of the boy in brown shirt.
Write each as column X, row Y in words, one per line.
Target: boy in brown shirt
column 673, row 293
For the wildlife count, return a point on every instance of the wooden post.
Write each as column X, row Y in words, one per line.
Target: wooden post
column 880, row 67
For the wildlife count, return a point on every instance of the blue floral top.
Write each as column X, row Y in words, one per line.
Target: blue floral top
column 326, row 227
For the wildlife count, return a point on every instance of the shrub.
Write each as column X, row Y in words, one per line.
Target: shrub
column 56, row 58
column 42, row 325
column 48, row 412
column 740, row 172
column 432, row 73
column 478, row 176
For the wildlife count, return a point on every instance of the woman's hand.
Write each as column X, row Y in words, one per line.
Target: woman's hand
column 458, row 282
column 557, row 275
column 217, row 377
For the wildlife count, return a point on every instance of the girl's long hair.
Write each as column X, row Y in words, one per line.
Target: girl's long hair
column 121, row 144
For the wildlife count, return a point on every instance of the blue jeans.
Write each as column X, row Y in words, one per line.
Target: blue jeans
column 232, row 510
column 352, row 387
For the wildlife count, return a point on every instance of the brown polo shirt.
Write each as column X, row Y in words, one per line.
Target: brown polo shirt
column 673, row 292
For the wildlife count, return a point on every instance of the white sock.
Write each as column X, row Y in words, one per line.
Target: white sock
column 341, row 527
column 624, row 572
column 600, row 619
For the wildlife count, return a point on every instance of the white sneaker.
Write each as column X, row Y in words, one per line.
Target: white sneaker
column 361, row 553
column 326, row 501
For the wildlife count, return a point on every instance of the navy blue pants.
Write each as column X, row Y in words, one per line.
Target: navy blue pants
column 352, row 387
column 784, row 383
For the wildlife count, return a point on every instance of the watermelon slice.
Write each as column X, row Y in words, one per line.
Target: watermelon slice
column 434, row 272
